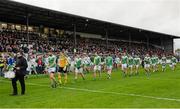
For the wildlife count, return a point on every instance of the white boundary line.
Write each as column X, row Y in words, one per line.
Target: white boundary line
column 115, row 93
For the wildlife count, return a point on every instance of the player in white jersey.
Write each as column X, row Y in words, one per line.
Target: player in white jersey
column 153, row 63
column 130, row 64
column 124, row 62
column 109, row 65
column 87, row 63
column 52, row 69
column 117, row 61
column 137, row 63
column 103, row 64
column 72, row 64
column 173, row 62
column 156, row 62
column 147, row 61
column 97, row 65
column 163, row 62
column 32, row 64
column 46, row 64
column 79, row 67
column 69, row 63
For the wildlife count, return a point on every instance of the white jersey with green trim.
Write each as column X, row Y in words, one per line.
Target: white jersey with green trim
column 78, row 62
column 147, row 60
column 52, row 61
column 97, row 60
column 124, row 59
column 87, row 61
column 137, row 61
column 130, row 60
column 163, row 60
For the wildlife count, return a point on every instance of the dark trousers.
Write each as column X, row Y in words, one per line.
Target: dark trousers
column 1, row 71
column 22, row 82
column 39, row 69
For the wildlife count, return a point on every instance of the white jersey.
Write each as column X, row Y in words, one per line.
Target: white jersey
column 117, row 60
column 33, row 62
column 46, row 61
column 72, row 63
column 29, row 66
column 69, row 60
column 87, row 60
column 72, row 66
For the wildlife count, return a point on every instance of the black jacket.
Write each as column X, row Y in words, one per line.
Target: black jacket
column 22, row 63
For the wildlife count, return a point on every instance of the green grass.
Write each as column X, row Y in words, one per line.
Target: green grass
column 101, row 92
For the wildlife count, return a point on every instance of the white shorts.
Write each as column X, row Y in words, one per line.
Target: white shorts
column 163, row 66
column 147, row 66
column 97, row 67
column 72, row 68
column 53, row 69
column 130, row 66
column 9, row 74
column 80, row 70
column 124, row 66
column 172, row 64
column 45, row 69
column 109, row 67
column 137, row 66
column 117, row 62
column 102, row 63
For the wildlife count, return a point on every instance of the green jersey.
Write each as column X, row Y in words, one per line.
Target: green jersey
column 147, row 60
column 52, row 61
column 92, row 58
column 153, row 60
column 173, row 60
column 109, row 61
column 130, row 61
column 97, row 60
column 137, row 61
column 124, row 59
column 78, row 62
column 156, row 60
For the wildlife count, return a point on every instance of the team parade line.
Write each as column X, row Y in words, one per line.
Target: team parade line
column 97, row 63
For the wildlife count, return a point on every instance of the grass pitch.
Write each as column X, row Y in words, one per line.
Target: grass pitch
column 160, row 90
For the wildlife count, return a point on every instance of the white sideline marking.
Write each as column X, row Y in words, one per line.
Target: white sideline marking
column 115, row 93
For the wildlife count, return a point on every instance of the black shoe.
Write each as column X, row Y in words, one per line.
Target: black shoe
column 14, row 94
column 22, row 93
column 55, row 84
column 109, row 77
column 52, row 86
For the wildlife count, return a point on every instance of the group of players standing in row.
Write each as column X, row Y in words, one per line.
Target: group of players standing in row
column 98, row 63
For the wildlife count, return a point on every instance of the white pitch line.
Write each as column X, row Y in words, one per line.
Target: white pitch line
column 115, row 93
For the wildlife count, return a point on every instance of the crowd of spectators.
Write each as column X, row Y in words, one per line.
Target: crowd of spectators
column 12, row 41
